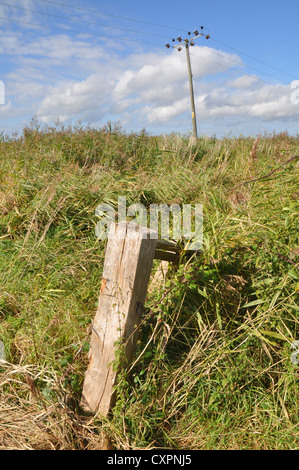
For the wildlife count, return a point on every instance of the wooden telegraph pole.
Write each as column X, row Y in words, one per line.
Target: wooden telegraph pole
column 191, row 89
column 190, row 42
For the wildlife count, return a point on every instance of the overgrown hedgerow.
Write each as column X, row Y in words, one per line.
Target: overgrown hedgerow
column 212, row 369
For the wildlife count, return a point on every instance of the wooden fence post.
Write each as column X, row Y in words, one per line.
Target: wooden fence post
column 127, row 267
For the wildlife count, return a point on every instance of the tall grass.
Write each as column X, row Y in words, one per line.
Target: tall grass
column 213, row 368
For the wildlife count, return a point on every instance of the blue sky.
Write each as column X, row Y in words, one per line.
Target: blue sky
column 99, row 61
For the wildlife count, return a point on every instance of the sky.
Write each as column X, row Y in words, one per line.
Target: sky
column 70, row 62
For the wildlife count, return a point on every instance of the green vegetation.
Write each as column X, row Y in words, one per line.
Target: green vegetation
column 214, row 368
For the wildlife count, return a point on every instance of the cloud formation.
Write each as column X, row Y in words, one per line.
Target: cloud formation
column 70, row 79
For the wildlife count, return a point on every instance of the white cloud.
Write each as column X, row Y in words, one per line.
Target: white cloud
column 244, row 81
column 164, row 70
column 121, row 88
column 257, row 100
column 87, row 98
column 165, row 113
column 22, row 13
column 207, row 61
column 57, row 76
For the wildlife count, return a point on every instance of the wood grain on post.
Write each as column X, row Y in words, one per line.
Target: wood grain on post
column 127, row 267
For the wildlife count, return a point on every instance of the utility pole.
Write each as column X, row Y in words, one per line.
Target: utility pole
column 190, row 42
column 191, row 89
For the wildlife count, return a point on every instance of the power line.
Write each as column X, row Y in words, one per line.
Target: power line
column 253, row 58
column 225, row 66
column 80, row 20
column 230, row 59
column 134, row 40
column 168, row 27
column 250, row 67
column 246, row 66
column 68, row 30
column 190, row 42
column 143, row 32
column 220, row 55
column 107, row 14
column 122, row 38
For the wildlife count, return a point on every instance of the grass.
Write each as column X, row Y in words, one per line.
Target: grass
column 213, row 368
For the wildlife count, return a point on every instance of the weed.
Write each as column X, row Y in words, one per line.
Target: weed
column 212, row 369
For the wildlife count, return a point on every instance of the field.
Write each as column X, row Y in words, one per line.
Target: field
column 214, row 368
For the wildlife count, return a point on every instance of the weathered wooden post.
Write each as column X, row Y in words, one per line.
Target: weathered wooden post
column 127, row 267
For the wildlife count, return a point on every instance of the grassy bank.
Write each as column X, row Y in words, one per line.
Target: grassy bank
column 216, row 373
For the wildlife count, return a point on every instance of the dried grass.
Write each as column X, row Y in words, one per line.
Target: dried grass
column 28, row 421
column 253, row 153
column 213, row 373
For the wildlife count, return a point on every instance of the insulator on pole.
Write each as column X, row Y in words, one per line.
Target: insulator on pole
column 190, row 42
